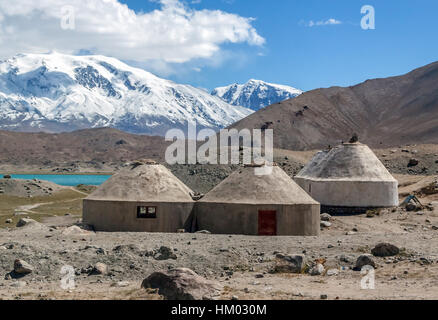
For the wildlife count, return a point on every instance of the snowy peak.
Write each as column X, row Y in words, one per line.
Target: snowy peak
column 57, row 92
column 255, row 94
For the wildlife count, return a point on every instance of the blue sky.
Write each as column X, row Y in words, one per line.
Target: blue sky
column 406, row 37
column 210, row 43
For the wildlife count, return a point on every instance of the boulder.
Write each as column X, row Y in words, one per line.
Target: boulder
column 290, row 263
column 385, row 250
column 21, row 267
column 182, row 284
column 364, row 260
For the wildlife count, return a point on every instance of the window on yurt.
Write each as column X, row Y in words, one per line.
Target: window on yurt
column 144, row 212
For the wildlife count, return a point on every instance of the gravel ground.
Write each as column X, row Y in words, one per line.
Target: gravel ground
column 242, row 264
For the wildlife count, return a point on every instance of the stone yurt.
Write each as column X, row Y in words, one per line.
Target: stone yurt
column 258, row 204
column 144, row 197
column 349, row 179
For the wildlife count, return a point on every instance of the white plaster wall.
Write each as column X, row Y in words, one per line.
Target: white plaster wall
column 347, row 193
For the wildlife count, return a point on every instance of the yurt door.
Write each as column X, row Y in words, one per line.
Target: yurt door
column 267, row 223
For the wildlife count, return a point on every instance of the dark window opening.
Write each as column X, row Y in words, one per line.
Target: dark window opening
column 146, row 212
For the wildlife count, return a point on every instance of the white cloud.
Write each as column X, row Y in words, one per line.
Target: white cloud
column 320, row 23
column 174, row 33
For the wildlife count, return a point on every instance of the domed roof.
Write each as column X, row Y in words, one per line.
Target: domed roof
column 349, row 161
column 143, row 182
column 244, row 186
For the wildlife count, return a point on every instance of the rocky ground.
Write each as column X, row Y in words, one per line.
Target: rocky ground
column 245, row 267
column 114, row 265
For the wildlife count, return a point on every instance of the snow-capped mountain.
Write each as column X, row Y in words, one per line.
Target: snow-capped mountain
column 255, row 94
column 56, row 92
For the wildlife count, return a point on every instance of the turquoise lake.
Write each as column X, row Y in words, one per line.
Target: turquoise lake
column 67, row 179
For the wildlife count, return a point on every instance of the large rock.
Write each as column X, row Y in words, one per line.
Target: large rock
column 325, row 217
column 290, row 263
column 385, row 250
column 182, row 284
column 21, row 267
column 364, row 260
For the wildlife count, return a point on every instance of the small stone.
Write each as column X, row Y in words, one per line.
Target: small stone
column 385, row 250
column 259, row 276
column 413, row 162
column 22, row 267
column 411, row 207
column 25, row 221
column 332, row 272
column 364, row 260
column 121, row 284
column 99, row 269
column 317, row 270
column 203, row 232
column 290, row 263
column 325, row 224
column 234, row 298
column 325, row 217
column 165, row 253
column 19, row 284
column 324, row 297
column 8, row 221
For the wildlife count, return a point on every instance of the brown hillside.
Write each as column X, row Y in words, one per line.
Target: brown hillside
column 384, row 112
column 90, row 145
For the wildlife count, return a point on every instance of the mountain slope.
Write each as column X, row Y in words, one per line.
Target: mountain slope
column 89, row 145
column 255, row 94
column 384, row 112
column 56, row 92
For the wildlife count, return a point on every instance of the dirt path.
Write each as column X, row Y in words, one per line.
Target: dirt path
column 28, row 208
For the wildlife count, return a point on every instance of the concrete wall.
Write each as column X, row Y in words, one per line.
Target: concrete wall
column 346, row 193
column 292, row 220
column 113, row 216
